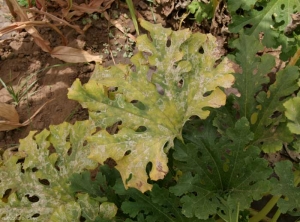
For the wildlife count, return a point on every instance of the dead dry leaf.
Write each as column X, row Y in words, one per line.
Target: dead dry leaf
column 72, row 55
column 118, row 26
column 22, row 17
column 9, row 117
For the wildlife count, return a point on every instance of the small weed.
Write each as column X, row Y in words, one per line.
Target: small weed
column 22, row 89
column 89, row 19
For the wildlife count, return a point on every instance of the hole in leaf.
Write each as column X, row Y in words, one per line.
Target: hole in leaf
column 209, row 169
column 69, row 151
column 282, row 6
column 251, row 183
column 248, row 26
column 239, row 11
column 6, row 195
column 180, row 83
column 35, row 215
column 138, row 104
column 201, row 50
column 33, row 198
column 96, row 131
column 51, row 149
column 149, row 168
column 259, row 8
column 276, row 114
column 141, row 129
column 114, row 129
column 57, row 167
column 84, row 143
column 127, row 152
column 82, row 219
column 110, row 162
column 160, row 89
column 168, row 43
column 34, row 169
column 217, row 62
column 207, row 93
column 44, row 182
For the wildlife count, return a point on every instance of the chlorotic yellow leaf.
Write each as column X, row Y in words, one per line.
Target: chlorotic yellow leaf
column 108, row 210
column 35, row 181
column 292, row 113
column 149, row 101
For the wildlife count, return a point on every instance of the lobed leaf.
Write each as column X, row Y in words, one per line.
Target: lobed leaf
column 286, row 186
column 260, row 103
column 219, row 175
column 265, row 18
column 151, row 100
column 254, row 72
column 159, row 205
column 35, row 181
column 243, row 4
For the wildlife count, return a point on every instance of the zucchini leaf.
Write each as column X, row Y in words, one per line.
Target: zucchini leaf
column 35, row 180
column 287, row 185
column 220, row 175
column 263, row 106
column 169, row 81
column 267, row 17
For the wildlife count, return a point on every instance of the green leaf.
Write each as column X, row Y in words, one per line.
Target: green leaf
column 292, row 112
column 35, row 181
column 286, row 186
column 269, row 114
column 159, row 205
column 265, row 18
column 254, row 72
column 263, row 107
column 201, row 10
column 152, row 100
column 83, row 183
column 220, row 174
column 234, row 5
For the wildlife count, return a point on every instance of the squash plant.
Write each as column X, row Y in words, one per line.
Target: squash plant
column 164, row 142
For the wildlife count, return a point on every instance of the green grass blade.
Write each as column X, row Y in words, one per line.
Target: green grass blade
column 132, row 13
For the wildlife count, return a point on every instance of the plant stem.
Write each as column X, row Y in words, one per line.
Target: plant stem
column 261, row 214
column 276, row 216
column 132, row 13
column 295, row 58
